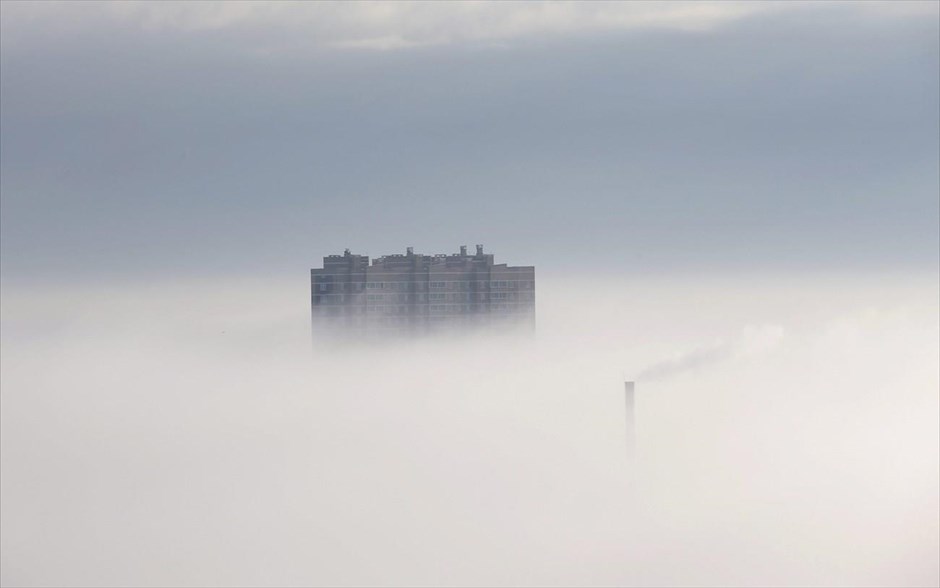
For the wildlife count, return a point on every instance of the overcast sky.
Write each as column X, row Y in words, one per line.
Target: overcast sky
column 751, row 192
column 170, row 138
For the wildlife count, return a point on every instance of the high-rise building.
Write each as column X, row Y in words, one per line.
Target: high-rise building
column 415, row 293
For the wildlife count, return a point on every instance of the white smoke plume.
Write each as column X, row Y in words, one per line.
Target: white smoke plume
column 751, row 341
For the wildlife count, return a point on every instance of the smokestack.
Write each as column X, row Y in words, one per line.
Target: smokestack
column 463, row 249
column 631, row 424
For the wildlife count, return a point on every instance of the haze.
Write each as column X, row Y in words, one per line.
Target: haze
column 734, row 204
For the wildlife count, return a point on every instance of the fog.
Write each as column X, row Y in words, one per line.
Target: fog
column 732, row 204
column 187, row 433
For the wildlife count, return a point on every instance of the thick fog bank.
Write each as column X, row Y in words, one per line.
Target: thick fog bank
column 188, row 434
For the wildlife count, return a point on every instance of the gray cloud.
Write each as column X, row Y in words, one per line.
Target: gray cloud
column 795, row 138
column 279, row 27
column 275, row 28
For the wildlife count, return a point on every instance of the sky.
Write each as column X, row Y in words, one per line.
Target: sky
column 182, row 138
column 734, row 204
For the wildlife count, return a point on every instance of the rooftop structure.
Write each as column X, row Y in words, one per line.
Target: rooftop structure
column 415, row 293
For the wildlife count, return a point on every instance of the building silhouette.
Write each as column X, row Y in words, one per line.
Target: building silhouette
column 415, row 293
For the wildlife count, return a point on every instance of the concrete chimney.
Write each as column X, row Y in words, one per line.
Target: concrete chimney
column 631, row 423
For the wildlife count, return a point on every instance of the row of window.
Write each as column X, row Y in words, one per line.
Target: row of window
column 391, row 309
column 433, row 285
column 417, row 321
column 446, row 308
column 433, row 297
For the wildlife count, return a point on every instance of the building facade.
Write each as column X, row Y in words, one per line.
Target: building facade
column 415, row 293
